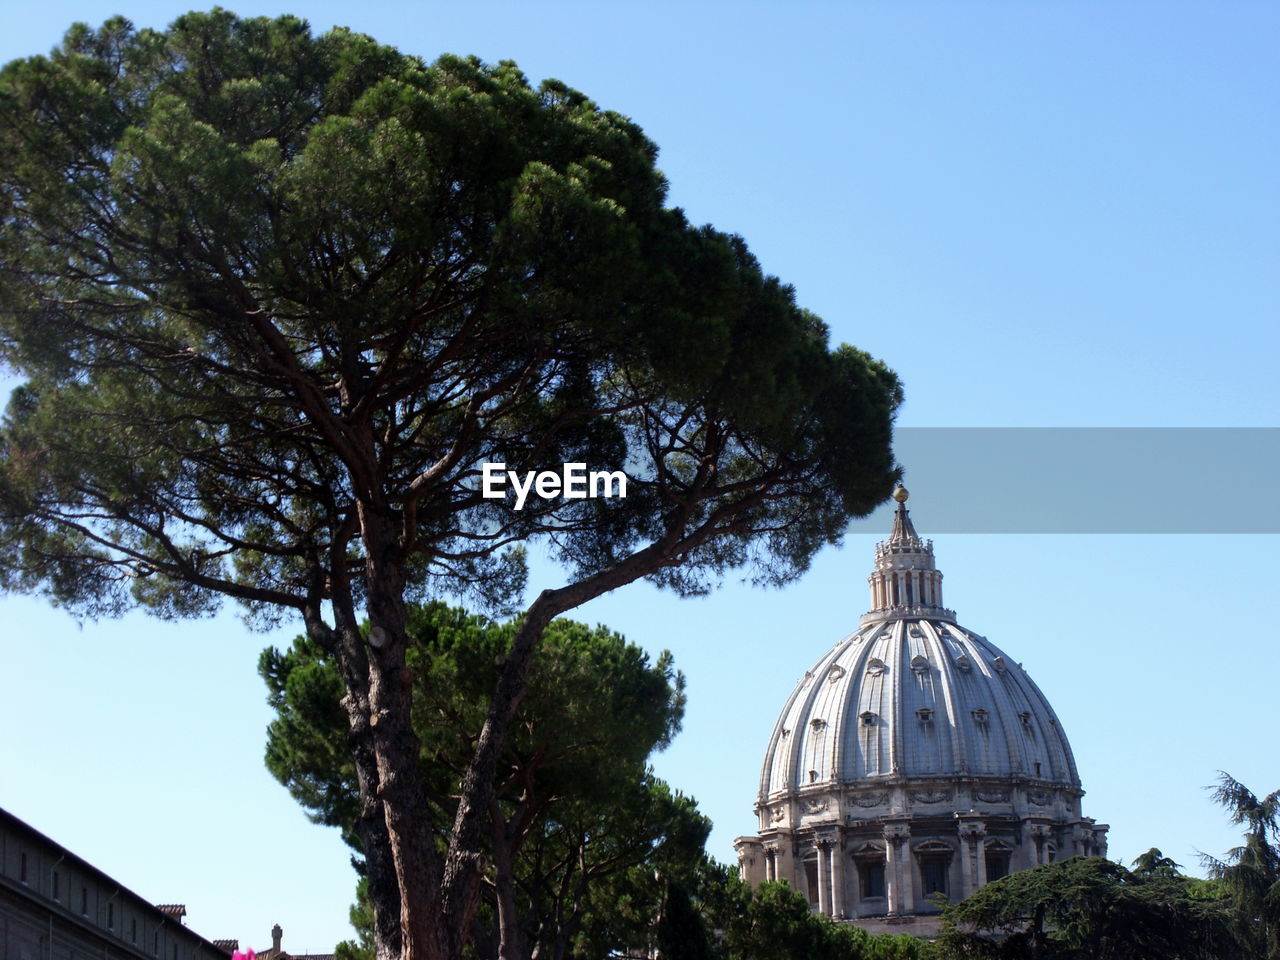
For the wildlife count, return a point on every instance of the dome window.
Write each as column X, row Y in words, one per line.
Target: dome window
column 813, row 776
column 925, row 714
column 871, row 871
column 915, row 631
column 963, row 663
column 1001, row 666
column 871, row 875
column 934, row 858
column 1025, row 717
column 835, row 673
column 817, row 723
column 919, row 664
column 868, row 719
column 875, row 667
column 980, row 715
column 997, row 855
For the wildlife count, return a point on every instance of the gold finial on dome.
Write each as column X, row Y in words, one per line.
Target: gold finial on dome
column 901, row 494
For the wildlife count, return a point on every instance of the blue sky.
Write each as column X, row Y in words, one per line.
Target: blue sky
column 1039, row 214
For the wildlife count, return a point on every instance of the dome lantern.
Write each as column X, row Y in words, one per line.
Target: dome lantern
column 906, row 580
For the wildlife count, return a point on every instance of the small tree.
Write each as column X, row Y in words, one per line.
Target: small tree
column 1153, row 863
column 1250, row 873
column 278, row 299
column 578, row 824
column 774, row 922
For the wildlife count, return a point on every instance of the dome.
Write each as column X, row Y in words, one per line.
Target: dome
column 917, row 698
column 914, row 758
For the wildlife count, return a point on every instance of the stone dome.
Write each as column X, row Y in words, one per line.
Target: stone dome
column 914, row 758
column 916, row 698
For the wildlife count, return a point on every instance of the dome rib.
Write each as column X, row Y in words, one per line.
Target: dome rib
column 946, row 667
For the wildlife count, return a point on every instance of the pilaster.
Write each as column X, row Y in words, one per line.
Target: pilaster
column 972, row 844
column 898, row 873
column 839, row 883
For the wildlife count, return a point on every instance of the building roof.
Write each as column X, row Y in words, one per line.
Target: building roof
column 163, row 912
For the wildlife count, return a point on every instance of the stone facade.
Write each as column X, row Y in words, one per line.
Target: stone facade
column 915, row 758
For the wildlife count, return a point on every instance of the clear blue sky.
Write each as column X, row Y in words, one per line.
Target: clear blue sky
column 1039, row 214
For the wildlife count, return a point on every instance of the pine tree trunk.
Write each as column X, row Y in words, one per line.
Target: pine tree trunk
column 401, row 787
column 510, row 945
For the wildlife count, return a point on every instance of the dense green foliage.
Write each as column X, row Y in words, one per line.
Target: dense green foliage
column 775, row 922
column 254, row 278
column 1087, row 908
column 578, row 818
